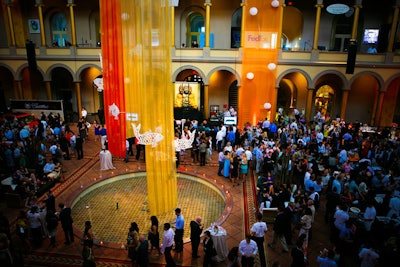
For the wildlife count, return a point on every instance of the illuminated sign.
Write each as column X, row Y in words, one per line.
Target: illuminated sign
column 258, row 39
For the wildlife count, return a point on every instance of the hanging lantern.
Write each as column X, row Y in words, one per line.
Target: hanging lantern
column 250, row 76
column 275, row 3
column 267, row 105
column 253, row 11
column 271, row 66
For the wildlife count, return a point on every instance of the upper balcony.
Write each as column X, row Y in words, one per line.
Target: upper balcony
column 211, row 56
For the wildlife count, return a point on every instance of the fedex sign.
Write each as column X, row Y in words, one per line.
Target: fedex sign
column 258, row 39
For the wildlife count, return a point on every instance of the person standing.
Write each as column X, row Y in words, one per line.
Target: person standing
column 51, row 224
column 66, row 223
column 279, row 230
column 35, row 226
column 79, row 146
column 179, row 228
column 88, row 234
column 208, row 246
column 133, row 241
column 83, row 113
column 142, row 258
column 248, row 249
column 297, row 253
column 203, row 150
column 127, row 144
column 221, row 160
column 87, row 257
column 258, row 230
column 50, row 201
column 196, row 228
column 167, row 243
column 244, row 167
column 154, row 235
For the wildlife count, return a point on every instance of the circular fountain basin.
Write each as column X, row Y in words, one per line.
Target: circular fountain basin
column 112, row 204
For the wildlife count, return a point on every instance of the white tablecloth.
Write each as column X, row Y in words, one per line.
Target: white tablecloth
column 219, row 239
column 8, row 181
column 106, row 160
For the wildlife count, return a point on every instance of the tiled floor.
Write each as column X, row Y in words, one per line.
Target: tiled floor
column 81, row 174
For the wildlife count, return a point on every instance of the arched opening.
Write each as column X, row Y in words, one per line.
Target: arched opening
column 59, row 32
column 324, row 101
column 195, row 26
column 236, row 27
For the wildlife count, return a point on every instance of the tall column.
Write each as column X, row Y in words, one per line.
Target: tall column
column 357, row 7
column 345, row 99
column 394, row 25
column 319, row 6
column 309, row 103
column 377, row 110
column 39, row 5
column 18, row 93
column 173, row 26
column 378, row 113
column 71, row 5
column 47, row 84
column 279, row 41
column 207, row 4
column 78, row 96
column 8, row 3
column 243, row 5
column 206, row 102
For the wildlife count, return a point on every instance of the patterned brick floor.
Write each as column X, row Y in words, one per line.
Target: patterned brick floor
column 99, row 205
column 237, row 211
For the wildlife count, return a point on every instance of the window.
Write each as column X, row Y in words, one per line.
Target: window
column 59, row 31
column 196, row 26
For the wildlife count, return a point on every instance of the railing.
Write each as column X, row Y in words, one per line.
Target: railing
column 383, row 60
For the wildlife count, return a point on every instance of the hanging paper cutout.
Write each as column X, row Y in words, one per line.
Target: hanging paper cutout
column 149, row 137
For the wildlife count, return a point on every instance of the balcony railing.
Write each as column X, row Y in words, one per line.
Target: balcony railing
column 212, row 56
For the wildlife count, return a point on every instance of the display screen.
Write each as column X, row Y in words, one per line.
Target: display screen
column 371, row 36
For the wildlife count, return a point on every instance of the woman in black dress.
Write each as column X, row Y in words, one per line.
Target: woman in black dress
column 154, row 236
column 209, row 250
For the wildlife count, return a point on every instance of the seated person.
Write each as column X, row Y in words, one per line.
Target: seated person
column 55, row 173
column 48, row 167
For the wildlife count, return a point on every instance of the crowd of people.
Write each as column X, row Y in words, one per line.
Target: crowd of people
column 33, row 157
column 353, row 168
column 297, row 164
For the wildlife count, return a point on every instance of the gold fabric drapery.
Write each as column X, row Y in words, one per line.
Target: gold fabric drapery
column 149, row 91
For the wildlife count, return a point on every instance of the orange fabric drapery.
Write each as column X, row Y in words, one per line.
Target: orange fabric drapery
column 113, row 75
column 261, row 33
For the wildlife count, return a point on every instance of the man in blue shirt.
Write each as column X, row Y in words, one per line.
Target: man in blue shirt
column 179, row 225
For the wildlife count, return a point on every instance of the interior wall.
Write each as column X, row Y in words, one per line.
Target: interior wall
column 362, row 95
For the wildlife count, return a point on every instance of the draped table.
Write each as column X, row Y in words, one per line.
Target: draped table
column 218, row 235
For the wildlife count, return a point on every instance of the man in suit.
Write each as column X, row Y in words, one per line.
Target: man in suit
column 196, row 228
column 79, row 146
column 66, row 223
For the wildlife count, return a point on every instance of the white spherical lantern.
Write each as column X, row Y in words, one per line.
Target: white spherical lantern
column 125, row 16
column 271, row 66
column 267, row 105
column 250, row 75
column 275, row 3
column 253, row 11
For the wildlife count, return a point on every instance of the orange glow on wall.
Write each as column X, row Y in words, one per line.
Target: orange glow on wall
column 261, row 35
